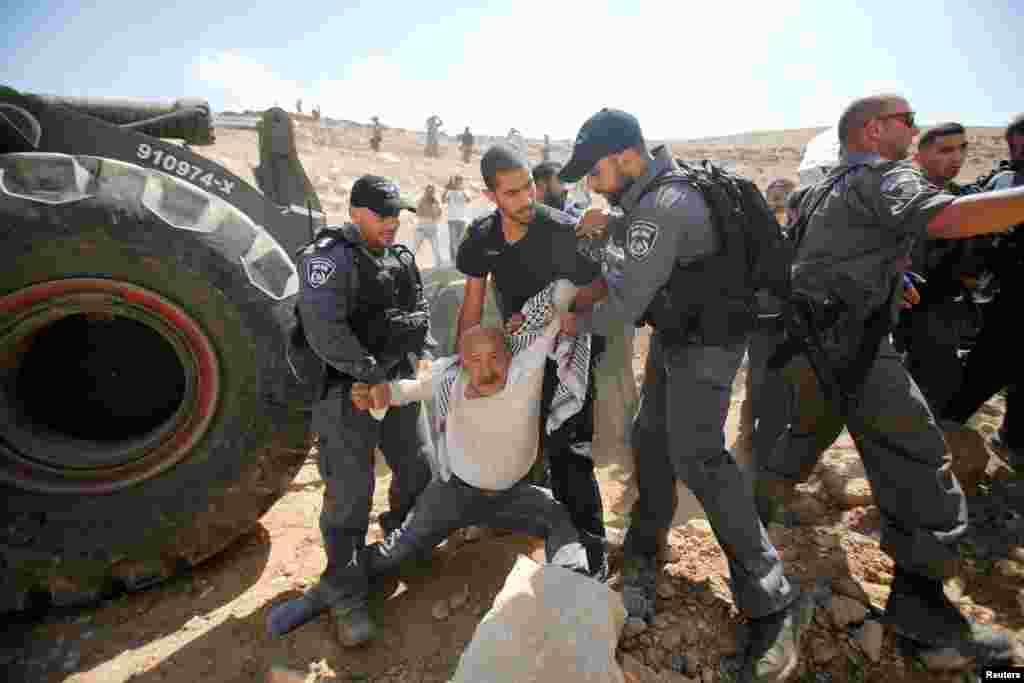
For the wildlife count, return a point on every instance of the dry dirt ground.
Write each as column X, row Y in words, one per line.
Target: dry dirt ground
column 208, row 625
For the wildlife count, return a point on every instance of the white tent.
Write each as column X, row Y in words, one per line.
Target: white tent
column 820, row 156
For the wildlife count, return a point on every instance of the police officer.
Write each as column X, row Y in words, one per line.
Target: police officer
column 377, row 136
column 362, row 307
column 551, row 191
column 466, row 142
column 986, row 370
column 864, row 220
column 674, row 273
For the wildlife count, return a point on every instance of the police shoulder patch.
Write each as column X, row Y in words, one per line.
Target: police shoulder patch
column 641, row 238
column 319, row 270
column 669, row 195
column 902, row 184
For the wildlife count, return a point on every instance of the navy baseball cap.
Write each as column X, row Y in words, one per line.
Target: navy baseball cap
column 609, row 131
column 380, row 195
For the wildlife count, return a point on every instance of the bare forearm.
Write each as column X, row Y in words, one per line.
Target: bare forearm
column 979, row 214
column 472, row 308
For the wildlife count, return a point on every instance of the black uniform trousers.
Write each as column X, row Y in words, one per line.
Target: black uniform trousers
column 993, row 363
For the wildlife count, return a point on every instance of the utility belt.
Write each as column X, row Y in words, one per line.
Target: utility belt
column 819, row 330
column 710, row 326
column 770, row 323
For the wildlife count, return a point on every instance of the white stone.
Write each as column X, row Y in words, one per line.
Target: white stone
column 546, row 621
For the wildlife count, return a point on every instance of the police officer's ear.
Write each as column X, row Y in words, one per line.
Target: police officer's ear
column 357, row 214
column 632, row 160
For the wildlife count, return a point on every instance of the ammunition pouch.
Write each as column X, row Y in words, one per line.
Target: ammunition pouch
column 723, row 325
column 840, row 345
column 394, row 333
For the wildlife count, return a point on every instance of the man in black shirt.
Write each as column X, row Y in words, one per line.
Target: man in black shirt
column 524, row 246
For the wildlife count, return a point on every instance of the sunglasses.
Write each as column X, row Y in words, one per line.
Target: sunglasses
column 906, row 116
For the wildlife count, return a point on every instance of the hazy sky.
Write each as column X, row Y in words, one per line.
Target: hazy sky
column 686, row 69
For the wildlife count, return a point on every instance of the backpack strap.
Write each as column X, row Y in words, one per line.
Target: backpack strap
column 819, row 192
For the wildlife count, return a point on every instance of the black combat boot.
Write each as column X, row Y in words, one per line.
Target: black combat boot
column 773, row 649
column 919, row 610
column 639, row 586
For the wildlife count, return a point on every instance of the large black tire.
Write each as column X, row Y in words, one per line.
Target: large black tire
column 144, row 415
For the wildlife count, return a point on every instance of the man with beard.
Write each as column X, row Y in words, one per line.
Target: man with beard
column 524, row 246
column 551, row 191
column 674, row 273
column 986, row 371
column 865, row 219
column 365, row 317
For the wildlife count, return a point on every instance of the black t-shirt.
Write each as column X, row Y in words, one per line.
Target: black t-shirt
column 546, row 253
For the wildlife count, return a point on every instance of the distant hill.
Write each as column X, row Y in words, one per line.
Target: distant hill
column 801, row 136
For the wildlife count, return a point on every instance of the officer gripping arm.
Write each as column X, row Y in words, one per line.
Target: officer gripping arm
column 660, row 229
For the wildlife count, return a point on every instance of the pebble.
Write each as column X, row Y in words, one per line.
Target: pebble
column 847, row 586
column 663, row 621
column 845, row 611
column 825, row 652
column 871, row 640
column 689, row 631
column 633, row 627
column 670, row 640
column 666, row 590
column 440, row 610
column 460, row 598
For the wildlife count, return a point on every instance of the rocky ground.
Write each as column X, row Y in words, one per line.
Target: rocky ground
column 208, row 625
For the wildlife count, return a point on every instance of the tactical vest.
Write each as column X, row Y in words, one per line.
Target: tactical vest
column 391, row 316
column 708, row 302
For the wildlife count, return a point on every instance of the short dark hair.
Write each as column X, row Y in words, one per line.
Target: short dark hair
column 1016, row 126
column 499, row 158
column 861, row 111
column 545, row 170
column 940, row 131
